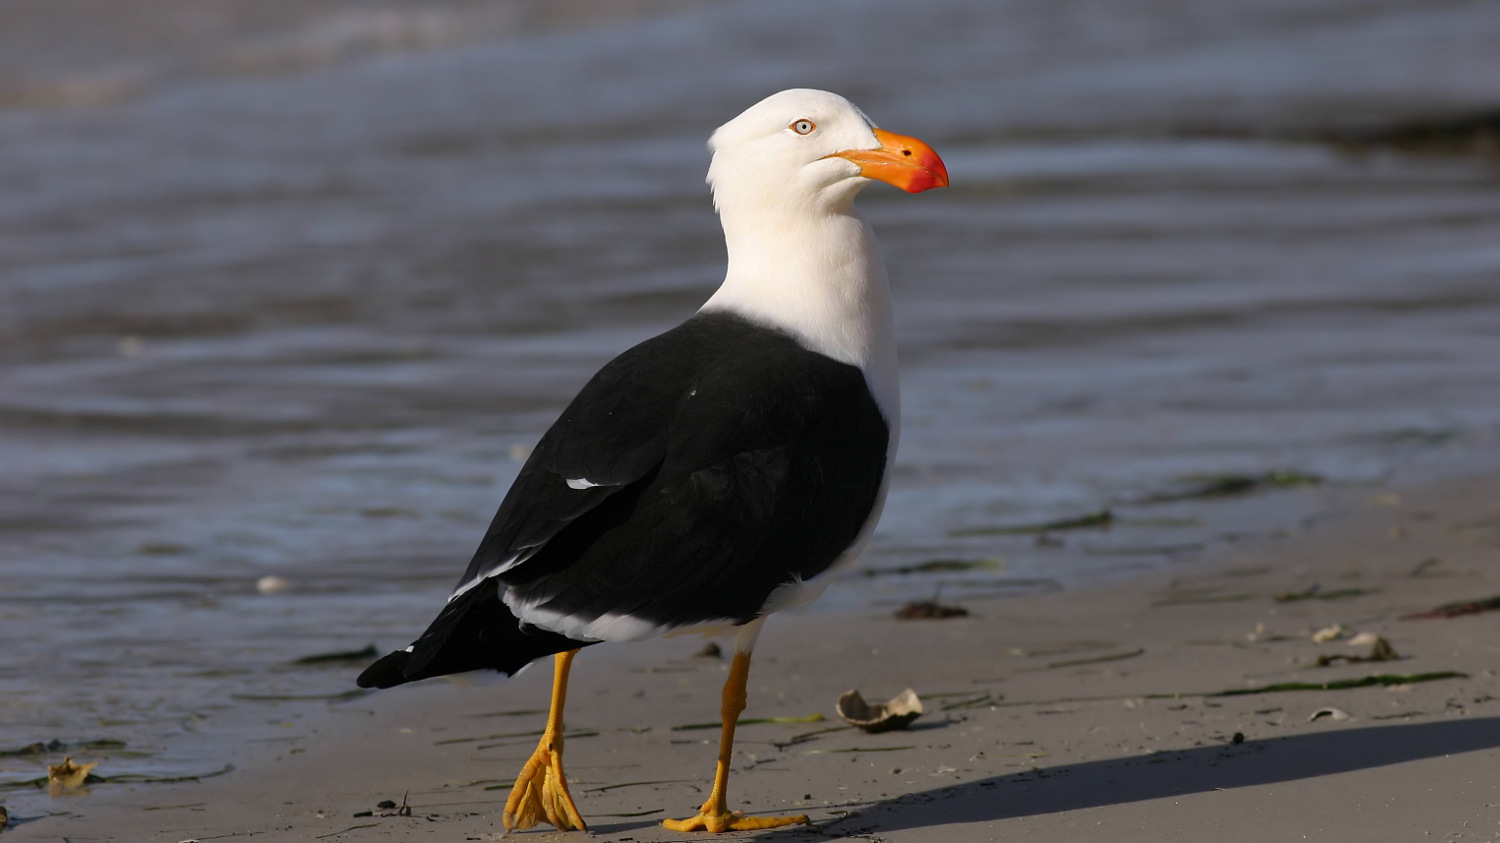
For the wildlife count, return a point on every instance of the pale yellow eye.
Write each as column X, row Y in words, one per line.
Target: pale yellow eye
column 803, row 127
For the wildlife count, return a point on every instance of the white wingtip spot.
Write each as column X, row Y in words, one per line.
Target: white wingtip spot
column 580, row 483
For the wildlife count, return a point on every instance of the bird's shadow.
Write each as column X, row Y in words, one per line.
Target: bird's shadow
column 1157, row 775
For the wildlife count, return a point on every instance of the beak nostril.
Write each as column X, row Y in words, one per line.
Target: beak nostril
column 906, row 152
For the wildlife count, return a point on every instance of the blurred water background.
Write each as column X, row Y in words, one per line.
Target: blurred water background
column 288, row 288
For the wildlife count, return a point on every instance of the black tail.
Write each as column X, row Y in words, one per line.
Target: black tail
column 474, row 632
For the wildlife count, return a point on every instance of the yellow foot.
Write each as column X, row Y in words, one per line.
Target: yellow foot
column 726, row 821
column 541, row 794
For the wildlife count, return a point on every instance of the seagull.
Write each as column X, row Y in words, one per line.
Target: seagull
column 718, row 472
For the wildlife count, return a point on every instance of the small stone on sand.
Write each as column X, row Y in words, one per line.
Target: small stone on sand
column 273, row 585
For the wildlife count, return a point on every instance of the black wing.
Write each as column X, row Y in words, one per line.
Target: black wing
column 723, row 460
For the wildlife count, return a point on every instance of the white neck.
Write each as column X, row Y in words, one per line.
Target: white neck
column 818, row 276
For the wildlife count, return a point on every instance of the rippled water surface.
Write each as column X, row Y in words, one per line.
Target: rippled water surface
column 303, row 316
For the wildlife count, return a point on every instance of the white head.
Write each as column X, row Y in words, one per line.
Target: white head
column 809, row 150
column 783, row 176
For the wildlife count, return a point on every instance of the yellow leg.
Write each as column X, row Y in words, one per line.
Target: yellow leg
column 541, row 791
column 715, row 816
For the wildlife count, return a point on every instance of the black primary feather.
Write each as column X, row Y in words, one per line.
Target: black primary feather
column 473, row 632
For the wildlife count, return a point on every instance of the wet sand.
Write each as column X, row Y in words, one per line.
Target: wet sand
column 300, row 321
column 277, row 301
column 1054, row 717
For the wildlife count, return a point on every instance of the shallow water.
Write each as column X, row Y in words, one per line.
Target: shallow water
column 305, row 319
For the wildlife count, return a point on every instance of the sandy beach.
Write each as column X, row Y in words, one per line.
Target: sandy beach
column 1057, row 717
column 276, row 301
column 288, row 290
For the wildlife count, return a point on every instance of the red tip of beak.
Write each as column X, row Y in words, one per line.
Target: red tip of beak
column 903, row 161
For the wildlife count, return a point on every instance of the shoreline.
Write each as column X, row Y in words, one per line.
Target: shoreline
column 1052, row 716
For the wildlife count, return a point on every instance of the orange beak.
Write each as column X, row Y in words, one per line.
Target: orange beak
column 905, row 162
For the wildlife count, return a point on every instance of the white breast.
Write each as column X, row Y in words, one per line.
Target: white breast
column 822, row 281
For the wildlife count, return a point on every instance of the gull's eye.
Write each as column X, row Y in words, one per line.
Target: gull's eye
column 803, row 127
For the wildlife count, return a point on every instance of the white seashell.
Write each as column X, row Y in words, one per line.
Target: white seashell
column 896, row 714
column 1335, row 713
column 1328, row 633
